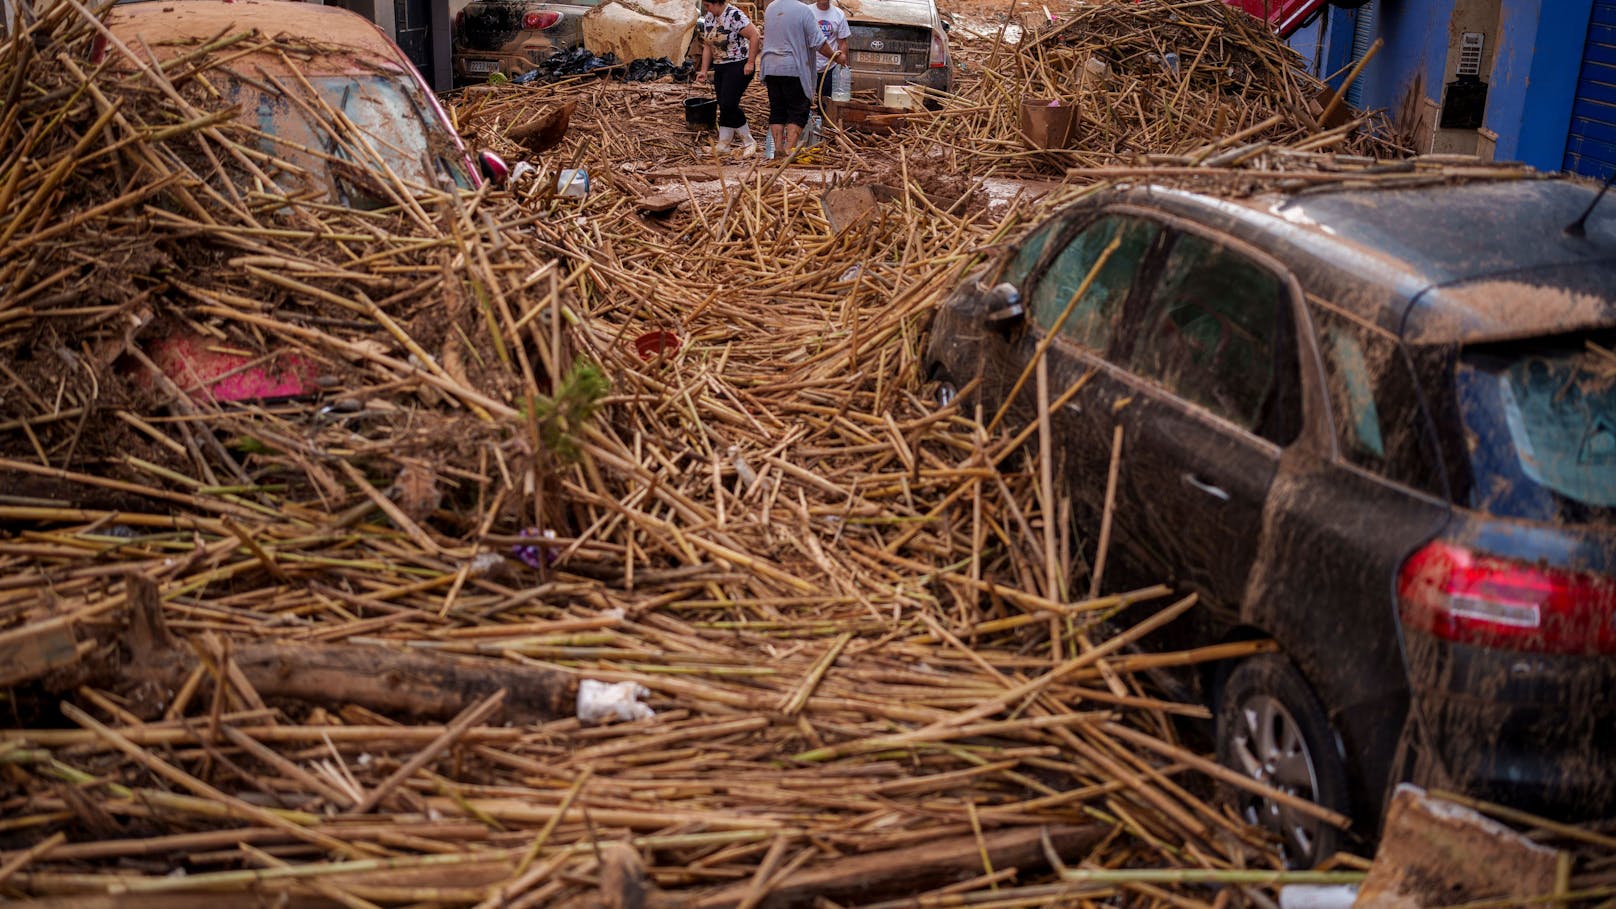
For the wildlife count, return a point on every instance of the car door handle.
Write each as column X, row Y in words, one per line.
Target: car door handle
column 1216, row 492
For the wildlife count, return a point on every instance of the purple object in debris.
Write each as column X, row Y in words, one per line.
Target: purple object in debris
column 535, row 556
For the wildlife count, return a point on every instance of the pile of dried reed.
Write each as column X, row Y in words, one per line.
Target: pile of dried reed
column 1158, row 81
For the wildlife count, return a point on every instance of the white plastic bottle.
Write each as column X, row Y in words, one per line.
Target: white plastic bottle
column 810, row 134
column 841, row 83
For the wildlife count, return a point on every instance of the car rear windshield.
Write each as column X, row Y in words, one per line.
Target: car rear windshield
column 1541, row 423
column 888, row 48
column 388, row 110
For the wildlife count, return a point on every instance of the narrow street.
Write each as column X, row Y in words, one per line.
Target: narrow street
column 642, row 547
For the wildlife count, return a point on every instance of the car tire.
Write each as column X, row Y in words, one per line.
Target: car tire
column 1271, row 727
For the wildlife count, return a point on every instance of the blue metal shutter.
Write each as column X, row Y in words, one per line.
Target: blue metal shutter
column 1591, row 144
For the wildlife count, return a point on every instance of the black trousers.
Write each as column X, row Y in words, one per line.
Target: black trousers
column 729, row 82
column 787, row 103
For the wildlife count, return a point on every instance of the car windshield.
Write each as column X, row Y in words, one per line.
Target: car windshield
column 1541, row 417
column 393, row 129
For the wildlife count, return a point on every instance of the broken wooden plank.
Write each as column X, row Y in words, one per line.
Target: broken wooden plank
column 30, row 651
column 1437, row 853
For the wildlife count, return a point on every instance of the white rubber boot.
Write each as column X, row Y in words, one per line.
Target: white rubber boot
column 725, row 135
column 748, row 144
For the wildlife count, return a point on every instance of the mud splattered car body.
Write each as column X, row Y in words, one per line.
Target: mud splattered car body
column 334, row 111
column 513, row 36
column 897, row 42
column 332, row 66
column 1376, row 426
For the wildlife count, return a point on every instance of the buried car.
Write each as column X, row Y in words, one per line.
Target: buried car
column 334, row 111
column 334, row 103
column 1377, row 426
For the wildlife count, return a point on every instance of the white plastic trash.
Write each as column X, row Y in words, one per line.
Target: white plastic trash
column 600, row 702
column 811, row 133
column 1317, row 896
column 573, row 183
column 897, row 96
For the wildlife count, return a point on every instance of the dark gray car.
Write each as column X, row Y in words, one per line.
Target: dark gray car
column 1377, row 426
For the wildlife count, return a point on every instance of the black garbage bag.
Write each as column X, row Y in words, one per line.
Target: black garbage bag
column 575, row 61
column 641, row 70
column 646, row 69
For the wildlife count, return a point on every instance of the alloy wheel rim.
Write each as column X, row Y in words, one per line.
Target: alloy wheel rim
column 1270, row 748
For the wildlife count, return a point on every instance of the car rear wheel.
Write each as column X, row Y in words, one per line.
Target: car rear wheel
column 1272, row 728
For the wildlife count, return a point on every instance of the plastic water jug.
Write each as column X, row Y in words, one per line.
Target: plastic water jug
column 841, row 84
column 573, row 183
column 811, row 134
column 768, row 147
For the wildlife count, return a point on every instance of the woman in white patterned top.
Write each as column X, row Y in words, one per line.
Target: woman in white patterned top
column 730, row 44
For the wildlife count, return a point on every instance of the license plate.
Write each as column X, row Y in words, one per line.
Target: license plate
column 482, row 66
column 870, row 58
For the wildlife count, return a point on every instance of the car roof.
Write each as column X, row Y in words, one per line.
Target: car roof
column 1468, row 261
column 172, row 28
column 922, row 13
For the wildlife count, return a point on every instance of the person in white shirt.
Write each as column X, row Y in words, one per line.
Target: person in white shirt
column 833, row 25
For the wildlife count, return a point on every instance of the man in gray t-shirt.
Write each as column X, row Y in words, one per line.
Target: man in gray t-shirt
column 791, row 37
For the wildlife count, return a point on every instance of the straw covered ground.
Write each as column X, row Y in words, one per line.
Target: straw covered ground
column 328, row 650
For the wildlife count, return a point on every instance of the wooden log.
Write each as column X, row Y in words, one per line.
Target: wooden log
column 911, row 870
column 427, row 685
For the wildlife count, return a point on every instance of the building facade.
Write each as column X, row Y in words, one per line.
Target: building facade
column 1521, row 80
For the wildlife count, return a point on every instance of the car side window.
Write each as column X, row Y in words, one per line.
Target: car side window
column 1095, row 314
column 1379, row 424
column 1351, row 397
column 1029, row 252
column 1217, row 330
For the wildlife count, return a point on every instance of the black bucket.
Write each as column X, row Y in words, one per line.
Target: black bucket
column 701, row 113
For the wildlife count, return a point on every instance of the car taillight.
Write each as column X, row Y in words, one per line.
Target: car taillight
column 939, row 50
column 538, row 20
column 1468, row 598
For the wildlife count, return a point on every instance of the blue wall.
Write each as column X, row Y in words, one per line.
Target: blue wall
column 1536, row 59
column 1535, row 78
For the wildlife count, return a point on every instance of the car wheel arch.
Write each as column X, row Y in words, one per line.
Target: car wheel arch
column 1215, row 673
